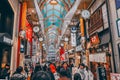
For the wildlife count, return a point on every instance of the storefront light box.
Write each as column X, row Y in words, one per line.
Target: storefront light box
column 118, row 26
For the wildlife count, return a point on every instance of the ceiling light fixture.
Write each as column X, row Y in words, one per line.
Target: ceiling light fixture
column 53, row 2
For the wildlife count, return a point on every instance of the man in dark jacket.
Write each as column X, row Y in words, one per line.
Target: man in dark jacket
column 18, row 74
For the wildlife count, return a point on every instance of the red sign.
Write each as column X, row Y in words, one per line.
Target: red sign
column 94, row 39
column 28, row 32
column 62, row 52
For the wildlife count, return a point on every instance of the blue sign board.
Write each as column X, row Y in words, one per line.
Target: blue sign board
column 117, row 4
column 73, row 29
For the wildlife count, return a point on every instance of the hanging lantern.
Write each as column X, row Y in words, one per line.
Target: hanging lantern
column 53, row 2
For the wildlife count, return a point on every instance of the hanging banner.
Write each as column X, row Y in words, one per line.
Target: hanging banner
column 23, row 17
column 62, row 54
column 28, row 48
column 101, row 73
column 82, row 27
column 34, row 47
column 73, row 39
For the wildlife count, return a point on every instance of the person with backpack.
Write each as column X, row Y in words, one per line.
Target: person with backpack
column 81, row 71
column 88, row 74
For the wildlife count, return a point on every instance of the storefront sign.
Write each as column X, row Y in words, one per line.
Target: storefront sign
column 73, row 39
column 96, row 21
column 34, row 47
column 118, row 26
column 98, row 57
column 117, row 4
column 115, row 76
column 94, row 39
column 101, row 73
column 7, row 40
column 79, row 48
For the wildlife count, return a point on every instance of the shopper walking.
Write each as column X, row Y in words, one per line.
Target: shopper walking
column 18, row 74
column 88, row 74
column 81, row 69
column 41, row 75
column 63, row 75
column 67, row 69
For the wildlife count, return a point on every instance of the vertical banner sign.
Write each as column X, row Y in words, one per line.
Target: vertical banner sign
column 73, row 39
column 101, row 73
column 62, row 54
column 23, row 19
column 82, row 27
column 34, row 49
column 28, row 48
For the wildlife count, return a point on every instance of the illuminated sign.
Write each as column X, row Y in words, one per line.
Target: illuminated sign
column 94, row 39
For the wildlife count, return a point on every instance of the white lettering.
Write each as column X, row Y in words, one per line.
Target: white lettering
column 6, row 40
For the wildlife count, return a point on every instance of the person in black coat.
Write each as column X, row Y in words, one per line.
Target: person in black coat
column 41, row 75
column 5, row 72
column 67, row 69
column 17, row 75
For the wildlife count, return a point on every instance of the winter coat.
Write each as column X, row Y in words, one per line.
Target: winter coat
column 4, row 73
column 69, row 75
column 82, row 73
column 51, row 75
column 89, row 75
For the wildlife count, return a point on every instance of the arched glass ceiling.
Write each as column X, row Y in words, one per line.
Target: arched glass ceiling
column 54, row 14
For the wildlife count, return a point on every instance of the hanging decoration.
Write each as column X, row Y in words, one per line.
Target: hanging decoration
column 28, row 32
column 62, row 53
column 23, row 20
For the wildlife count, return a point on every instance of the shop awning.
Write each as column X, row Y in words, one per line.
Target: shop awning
column 5, row 38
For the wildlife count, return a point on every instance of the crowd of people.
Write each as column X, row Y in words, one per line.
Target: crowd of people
column 49, row 71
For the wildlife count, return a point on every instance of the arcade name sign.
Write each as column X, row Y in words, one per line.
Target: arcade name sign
column 7, row 40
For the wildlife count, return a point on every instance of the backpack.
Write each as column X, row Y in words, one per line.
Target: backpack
column 17, row 76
